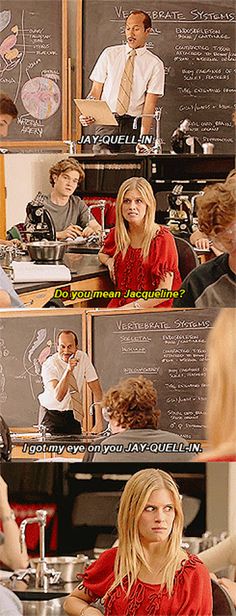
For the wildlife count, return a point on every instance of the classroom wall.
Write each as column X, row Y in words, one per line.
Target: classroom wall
column 25, row 175
column 232, row 497
column 221, row 505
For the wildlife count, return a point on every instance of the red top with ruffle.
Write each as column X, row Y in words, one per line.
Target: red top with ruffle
column 191, row 595
column 137, row 274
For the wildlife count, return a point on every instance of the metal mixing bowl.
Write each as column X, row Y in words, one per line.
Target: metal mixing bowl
column 48, row 251
column 69, row 566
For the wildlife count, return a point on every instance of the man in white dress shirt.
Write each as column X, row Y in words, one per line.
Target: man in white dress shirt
column 147, row 82
column 57, row 398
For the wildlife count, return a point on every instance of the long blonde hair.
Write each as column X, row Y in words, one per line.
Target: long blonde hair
column 149, row 227
column 130, row 554
column 221, row 397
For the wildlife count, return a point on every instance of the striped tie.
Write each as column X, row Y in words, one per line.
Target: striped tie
column 76, row 403
column 126, row 85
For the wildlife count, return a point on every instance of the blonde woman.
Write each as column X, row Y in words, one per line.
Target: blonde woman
column 221, row 397
column 140, row 255
column 148, row 573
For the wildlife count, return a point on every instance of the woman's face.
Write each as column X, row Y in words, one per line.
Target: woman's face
column 156, row 521
column 133, row 207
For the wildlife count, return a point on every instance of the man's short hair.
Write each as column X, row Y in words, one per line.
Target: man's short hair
column 67, row 164
column 216, row 208
column 147, row 19
column 68, row 331
column 7, row 107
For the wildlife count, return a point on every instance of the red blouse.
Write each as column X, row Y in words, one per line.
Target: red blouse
column 191, row 595
column 137, row 274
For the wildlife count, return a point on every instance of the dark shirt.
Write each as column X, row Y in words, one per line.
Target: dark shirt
column 210, row 284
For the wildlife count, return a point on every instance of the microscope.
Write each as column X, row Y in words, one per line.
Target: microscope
column 180, row 212
column 182, row 142
column 40, row 225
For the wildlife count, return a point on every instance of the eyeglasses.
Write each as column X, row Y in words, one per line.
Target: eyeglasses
column 106, row 413
column 105, row 410
column 221, row 239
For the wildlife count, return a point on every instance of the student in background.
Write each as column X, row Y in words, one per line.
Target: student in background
column 221, row 393
column 10, row 605
column 198, row 238
column 131, row 409
column 214, row 282
column 69, row 213
column 218, row 557
column 8, row 112
column 148, row 573
column 8, row 295
column 139, row 254
column 10, row 552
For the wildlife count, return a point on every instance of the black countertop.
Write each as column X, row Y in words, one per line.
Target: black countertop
column 26, row 591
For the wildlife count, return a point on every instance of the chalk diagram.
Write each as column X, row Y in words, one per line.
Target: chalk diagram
column 40, row 95
column 35, row 354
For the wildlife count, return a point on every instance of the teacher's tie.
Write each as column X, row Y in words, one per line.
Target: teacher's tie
column 124, row 94
column 76, row 403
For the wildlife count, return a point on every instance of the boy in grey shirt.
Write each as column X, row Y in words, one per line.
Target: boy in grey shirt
column 69, row 213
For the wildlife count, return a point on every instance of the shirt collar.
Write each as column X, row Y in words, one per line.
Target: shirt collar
column 140, row 51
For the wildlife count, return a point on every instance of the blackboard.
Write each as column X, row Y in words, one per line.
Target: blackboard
column 167, row 347
column 196, row 42
column 25, row 342
column 33, row 67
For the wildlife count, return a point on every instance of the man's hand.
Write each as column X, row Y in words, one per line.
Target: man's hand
column 87, row 231
column 86, row 120
column 141, row 148
column 203, row 243
column 14, row 242
column 70, row 232
column 5, row 300
column 72, row 362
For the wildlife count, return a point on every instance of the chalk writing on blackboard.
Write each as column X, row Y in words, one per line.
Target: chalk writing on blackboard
column 167, row 347
column 196, row 42
column 35, row 354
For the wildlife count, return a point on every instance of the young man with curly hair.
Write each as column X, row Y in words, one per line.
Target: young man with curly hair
column 214, row 283
column 131, row 409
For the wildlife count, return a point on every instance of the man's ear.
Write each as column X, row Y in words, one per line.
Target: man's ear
column 148, row 30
